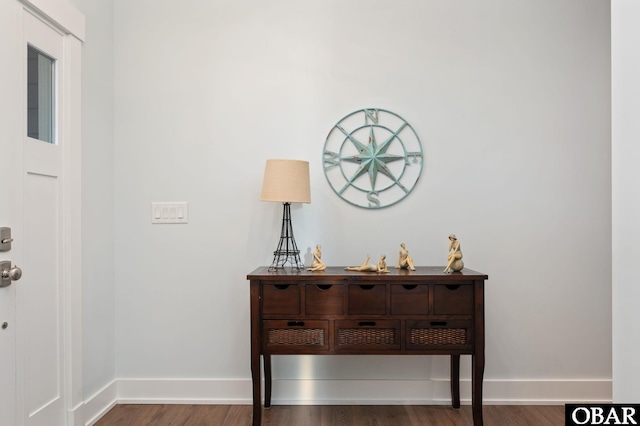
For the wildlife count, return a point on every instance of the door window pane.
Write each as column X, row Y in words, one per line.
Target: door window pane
column 40, row 96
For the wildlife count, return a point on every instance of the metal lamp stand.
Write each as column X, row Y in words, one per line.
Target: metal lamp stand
column 287, row 250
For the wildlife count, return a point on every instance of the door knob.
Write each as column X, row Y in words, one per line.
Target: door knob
column 8, row 273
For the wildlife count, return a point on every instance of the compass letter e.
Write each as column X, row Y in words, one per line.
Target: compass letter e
column 417, row 156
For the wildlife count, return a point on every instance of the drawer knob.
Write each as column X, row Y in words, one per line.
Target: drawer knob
column 367, row 323
column 295, row 323
column 282, row 286
column 438, row 323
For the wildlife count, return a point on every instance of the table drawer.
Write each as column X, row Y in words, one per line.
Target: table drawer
column 439, row 334
column 281, row 299
column 453, row 299
column 324, row 299
column 367, row 334
column 292, row 336
column 407, row 299
column 367, row 299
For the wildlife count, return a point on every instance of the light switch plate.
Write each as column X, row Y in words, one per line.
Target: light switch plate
column 169, row 212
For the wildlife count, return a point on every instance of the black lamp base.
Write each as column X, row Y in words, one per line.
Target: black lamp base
column 287, row 251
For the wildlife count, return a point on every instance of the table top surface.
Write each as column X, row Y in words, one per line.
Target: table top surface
column 339, row 272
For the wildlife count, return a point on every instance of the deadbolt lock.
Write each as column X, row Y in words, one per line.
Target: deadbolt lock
column 5, row 239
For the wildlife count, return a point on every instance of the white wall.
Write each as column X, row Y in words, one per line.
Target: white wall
column 511, row 100
column 626, row 205
column 98, row 293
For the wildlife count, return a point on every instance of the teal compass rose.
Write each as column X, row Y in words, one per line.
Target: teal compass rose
column 372, row 158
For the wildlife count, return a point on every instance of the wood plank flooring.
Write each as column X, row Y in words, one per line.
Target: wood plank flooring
column 325, row 415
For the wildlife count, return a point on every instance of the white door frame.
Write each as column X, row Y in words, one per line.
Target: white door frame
column 67, row 19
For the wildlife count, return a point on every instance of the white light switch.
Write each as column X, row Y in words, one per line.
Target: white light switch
column 171, row 212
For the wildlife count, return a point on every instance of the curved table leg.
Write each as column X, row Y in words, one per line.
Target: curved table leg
column 477, row 373
column 255, row 379
column 455, row 381
column 267, row 380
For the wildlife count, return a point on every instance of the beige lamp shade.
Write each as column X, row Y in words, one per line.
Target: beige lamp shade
column 286, row 181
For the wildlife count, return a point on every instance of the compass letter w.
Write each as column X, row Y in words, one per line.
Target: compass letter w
column 331, row 159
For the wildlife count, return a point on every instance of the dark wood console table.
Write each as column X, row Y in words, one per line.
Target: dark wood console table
column 340, row 312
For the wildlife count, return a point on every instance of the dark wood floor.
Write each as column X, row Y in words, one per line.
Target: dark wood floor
column 324, row 415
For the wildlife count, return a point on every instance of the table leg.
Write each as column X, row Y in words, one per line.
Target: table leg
column 256, row 338
column 477, row 359
column 477, row 374
column 255, row 378
column 455, row 381
column 267, row 380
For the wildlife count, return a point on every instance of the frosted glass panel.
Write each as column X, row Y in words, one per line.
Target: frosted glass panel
column 40, row 96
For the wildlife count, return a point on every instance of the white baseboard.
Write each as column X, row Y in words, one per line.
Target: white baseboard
column 75, row 415
column 341, row 392
column 373, row 392
column 436, row 392
column 184, row 391
column 100, row 403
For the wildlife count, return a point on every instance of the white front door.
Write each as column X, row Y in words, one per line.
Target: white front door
column 41, row 307
column 10, row 165
column 40, row 381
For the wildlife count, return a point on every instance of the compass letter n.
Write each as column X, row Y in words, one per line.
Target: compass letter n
column 371, row 114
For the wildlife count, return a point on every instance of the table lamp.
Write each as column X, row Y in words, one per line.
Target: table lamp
column 286, row 181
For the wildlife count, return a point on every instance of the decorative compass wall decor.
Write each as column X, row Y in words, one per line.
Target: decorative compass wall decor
column 372, row 158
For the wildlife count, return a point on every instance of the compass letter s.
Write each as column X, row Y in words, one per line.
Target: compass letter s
column 371, row 196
